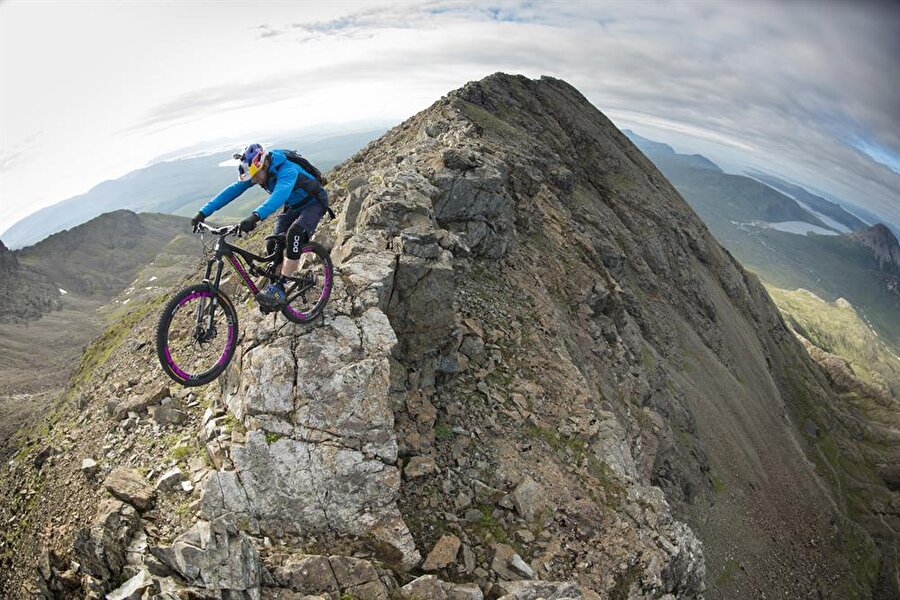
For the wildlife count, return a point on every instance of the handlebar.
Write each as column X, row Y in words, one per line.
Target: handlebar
column 223, row 231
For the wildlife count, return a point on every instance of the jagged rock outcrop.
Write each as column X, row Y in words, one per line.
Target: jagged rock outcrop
column 217, row 556
column 320, row 405
column 883, row 244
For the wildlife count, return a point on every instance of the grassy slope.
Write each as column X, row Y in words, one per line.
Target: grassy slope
column 838, row 329
column 829, row 266
column 854, row 438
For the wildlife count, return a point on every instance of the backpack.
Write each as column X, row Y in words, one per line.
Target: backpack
column 304, row 164
column 307, row 166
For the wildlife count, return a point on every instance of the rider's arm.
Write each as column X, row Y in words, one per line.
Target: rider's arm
column 225, row 196
column 287, row 178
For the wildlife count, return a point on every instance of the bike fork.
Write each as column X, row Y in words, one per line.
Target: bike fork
column 213, row 300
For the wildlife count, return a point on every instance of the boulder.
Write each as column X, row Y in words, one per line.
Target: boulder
column 426, row 587
column 138, row 405
column 170, row 480
column 307, row 574
column 357, row 578
column 419, row 466
column 130, row 486
column 528, row 498
column 429, row 587
column 89, row 467
column 168, row 415
column 533, row 590
column 443, row 554
column 215, row 555
column 509, row 565
column 331, row 576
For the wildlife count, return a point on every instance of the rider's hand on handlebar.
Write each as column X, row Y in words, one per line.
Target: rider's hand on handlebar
column 249, row 224
column 195, row 222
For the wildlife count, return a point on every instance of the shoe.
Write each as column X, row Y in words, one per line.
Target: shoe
column 271, row 298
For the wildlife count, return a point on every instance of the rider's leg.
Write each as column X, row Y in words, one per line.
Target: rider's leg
column 273, row 296
column 275, row 246
column 297, row 236
column 282, row 224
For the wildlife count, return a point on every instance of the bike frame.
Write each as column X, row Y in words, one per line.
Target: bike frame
column 223, row 250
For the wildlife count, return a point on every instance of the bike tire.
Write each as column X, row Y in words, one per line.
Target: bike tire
column 174, row 371
column 307, row 315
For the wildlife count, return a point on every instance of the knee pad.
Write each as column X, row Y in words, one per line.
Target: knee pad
column 296, row 238
column 272, row 246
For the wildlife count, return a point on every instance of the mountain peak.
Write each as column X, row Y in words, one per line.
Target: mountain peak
column 532, row 366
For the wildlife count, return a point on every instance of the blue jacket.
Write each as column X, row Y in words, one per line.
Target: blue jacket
column 288, row 185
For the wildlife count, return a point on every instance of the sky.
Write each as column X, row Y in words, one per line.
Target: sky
column 92, row 90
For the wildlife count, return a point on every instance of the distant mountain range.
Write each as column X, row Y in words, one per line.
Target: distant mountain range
column 178, row 186
column 830, row 212
column 789, row 236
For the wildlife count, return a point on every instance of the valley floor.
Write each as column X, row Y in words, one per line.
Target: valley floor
column 38, row 359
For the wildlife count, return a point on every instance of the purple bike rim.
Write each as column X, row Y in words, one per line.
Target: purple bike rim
column 232, row 335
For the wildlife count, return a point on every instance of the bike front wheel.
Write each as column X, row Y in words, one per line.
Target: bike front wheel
column 309, row 287
column 197, row 335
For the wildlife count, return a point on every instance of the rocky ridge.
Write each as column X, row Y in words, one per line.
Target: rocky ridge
column 532, row 373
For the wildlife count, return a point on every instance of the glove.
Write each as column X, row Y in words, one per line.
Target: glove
column 249, row 224
column 195, row 222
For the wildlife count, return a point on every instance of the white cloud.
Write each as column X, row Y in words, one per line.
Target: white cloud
column 774, row 85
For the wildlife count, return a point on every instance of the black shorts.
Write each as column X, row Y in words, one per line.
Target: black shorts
column 307, row 217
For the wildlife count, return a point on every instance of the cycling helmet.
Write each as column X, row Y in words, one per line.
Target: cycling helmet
column 252, row 159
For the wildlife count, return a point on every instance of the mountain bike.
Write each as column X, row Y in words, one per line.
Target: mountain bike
column 198, row 330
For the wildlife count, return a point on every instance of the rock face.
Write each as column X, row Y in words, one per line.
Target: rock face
column 563, row 316
column 100, row 548
column 320, row 453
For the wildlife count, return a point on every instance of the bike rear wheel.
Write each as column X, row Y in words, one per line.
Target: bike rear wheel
column 192, row 349
column 310, row 287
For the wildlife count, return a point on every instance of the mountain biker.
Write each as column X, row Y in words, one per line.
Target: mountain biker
column 303, row 199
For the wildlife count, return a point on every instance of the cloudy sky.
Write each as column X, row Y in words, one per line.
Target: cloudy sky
column 92, row 90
